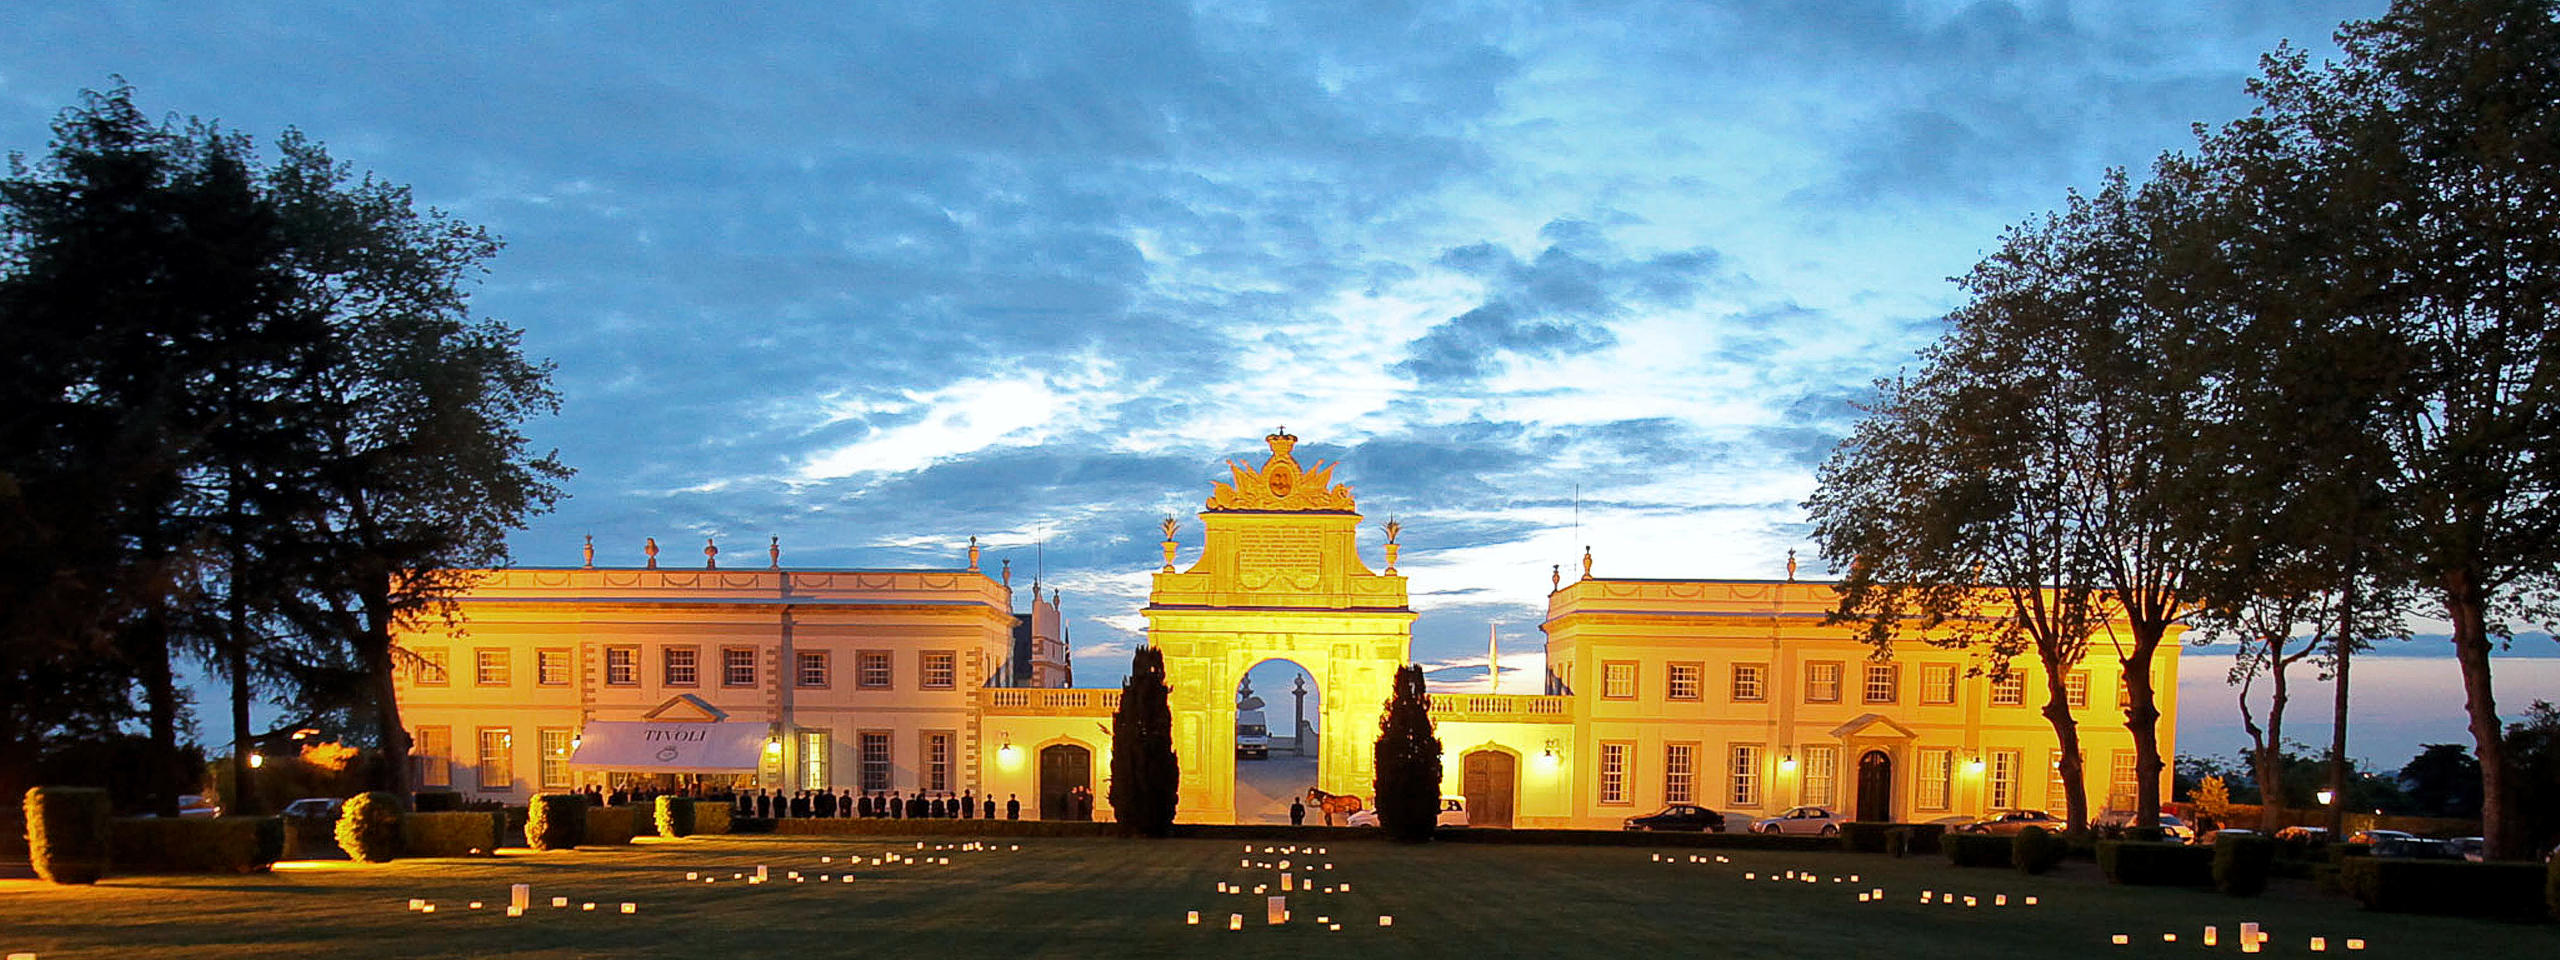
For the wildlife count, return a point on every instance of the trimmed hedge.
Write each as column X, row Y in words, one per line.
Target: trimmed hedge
column 369, row 827
column 307, row 840
column 1864, row 837
column 710, row 817
column 556, row 821
column 2037, row 850
column 2145, row 863
column 2447, row 887
column 611, row 826
column 2242, row 863
column 437, row 801
column 181, row 845
column 468, row 834
column 1975, row 849
column 2551, row 887
column 67, row 833
column 1913, row 839
column 13, row 832
column 675, row 817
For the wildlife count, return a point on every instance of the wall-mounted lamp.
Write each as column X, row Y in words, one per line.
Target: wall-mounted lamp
column 772, row 747
column 2326, row 797
column 1007, row 754
column 1787, row 763
column 576, row 740
column 1551, row 749
column 257, row 760
column 1975, row 766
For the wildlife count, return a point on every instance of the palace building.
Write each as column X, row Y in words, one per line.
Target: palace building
column 1729, row 694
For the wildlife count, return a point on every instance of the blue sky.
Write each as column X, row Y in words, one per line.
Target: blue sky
column 877, row 279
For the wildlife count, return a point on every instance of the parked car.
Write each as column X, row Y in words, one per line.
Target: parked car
column 2474, row 849
column 2014, row 821
column 2377, row 836
column 316, row 810
column 1680, row 816
column 2416, row 848
column 2303, row 834
column 1453, row 813
column 2114, row 823
column 1820, row 821
column 194, row 805
column 2211, row 835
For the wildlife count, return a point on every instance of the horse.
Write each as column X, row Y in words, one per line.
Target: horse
column 1333, row 803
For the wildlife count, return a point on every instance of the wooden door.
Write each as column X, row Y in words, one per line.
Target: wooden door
column 1488, row 780
column 1063, row 768
column 1875, row 787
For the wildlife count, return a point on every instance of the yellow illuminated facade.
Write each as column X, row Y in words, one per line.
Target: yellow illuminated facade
column 1732, row 695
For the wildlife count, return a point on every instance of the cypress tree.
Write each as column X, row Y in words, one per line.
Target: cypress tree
column 1145, row 779
column 1408, row 757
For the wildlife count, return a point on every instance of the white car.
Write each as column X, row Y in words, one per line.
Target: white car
column 1819, row 821
column 1453, row 813
column 195, row 805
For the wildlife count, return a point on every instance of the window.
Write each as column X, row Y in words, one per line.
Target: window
column 813, row 760
column 1746, row 682
column 1679, row 772
column 1685, row 681
column 2124, row 693
column 1938, row 683
column 871, row 670
column 622, row 666
column 1821, row 775
column 555, row 743
column 2075, row 689
column 1937, row 777
column 1746, row 775
column 813, row 668
column 2124, row 781
column 937, row 761
column 1613, row 773
column 2009, row 690
column 497, row 759
column 489, row 667
column 551, row 667
column 1618, row 680
column 2004, row 780
column 941, row 670
column 1884, row 683
column 433, row 746
column 738, row 668
column 681, row 666
column 2055, row 793
column 875, row 761
column 434, row 666
column 1822, row 683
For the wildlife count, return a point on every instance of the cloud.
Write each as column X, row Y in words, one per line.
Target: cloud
column 1559, row 302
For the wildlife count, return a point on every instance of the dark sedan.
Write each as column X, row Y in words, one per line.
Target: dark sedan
column 2010, row 823
column 1680, row 816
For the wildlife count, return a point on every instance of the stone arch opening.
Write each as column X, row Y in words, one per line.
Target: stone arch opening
column 1278, row 738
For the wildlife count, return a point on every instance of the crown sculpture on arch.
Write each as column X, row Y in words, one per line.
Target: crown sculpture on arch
column 1280, row 484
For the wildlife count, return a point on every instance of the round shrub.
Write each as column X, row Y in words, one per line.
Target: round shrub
column 369, row 827
column 67, row 839
column 675, row 817
column 556, row 821
column 2037, row 850
column 2242, row 863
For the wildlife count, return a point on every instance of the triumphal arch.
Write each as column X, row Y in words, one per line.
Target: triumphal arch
column 1279, row 575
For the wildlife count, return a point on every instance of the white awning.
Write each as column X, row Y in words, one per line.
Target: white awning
column 669, row 747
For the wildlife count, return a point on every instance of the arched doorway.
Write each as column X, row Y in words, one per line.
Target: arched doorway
column 1875, row 787
column 1278, row 715
column 1490, row 779
column 1065, row 767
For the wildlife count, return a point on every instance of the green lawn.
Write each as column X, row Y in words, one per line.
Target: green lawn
column 1086, row 897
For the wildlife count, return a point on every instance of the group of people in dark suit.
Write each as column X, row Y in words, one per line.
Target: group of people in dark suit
column 805, row 804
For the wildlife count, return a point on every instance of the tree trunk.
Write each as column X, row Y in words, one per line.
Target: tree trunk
column 2066, row 736
column 2346, row 642
column 243, row 797
column 2270, row 755
column 160, row 696
column 2142, row 718
column 375, row 651
column 2466, row 604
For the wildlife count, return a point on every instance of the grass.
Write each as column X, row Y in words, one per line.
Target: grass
column 1082, row 897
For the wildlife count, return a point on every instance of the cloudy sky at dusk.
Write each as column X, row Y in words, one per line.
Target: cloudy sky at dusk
column 1539, row 275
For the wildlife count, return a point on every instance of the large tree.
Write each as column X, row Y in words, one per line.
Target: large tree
column 1408, row 761
column 2435, row 143
column 1146, row 779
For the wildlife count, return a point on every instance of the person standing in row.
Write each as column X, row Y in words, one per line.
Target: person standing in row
column 1013, row 806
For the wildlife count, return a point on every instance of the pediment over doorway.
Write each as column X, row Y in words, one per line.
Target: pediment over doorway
column 686, row 708
column 1873, row 726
